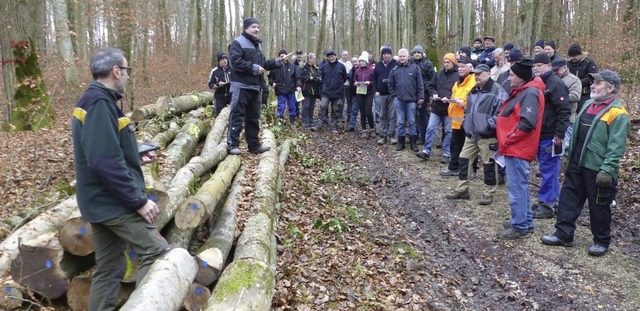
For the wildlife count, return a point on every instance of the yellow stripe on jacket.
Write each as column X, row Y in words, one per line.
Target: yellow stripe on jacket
column 81, row 114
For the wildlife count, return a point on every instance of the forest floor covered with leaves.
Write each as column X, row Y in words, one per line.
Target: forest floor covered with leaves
column 364, row 227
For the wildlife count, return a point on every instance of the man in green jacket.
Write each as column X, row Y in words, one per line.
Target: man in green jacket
column 110, row 184
column 598, row 143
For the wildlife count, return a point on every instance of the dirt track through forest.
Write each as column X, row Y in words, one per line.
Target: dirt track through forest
column 461, row 265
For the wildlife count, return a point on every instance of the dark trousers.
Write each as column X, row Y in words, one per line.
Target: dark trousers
column 366, row 111
column 221, row 101
column 580, row 186
column 245, row 110
column 457, row 141
column 422, row 121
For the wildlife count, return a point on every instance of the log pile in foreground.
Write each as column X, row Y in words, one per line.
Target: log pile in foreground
column 53, row 254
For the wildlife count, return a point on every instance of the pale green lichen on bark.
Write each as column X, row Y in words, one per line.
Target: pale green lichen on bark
column 244, row 277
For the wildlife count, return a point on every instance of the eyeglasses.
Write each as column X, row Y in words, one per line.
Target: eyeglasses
column 127, row 69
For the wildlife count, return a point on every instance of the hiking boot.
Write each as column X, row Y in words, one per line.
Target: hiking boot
column 487, row 199
column 423, row 155
column 459, row 195
column 261, row 149
column 448, row 172
column 502, row 179
column 364, row 134
column 235, row 151
column 393, row 140
column 554, row 241
column 597, row 250
column 507, row 225
column 542, row 211
column 382, row 140
column 513, row 234
column 445, row 159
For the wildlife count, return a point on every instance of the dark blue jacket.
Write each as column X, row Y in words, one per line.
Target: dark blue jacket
column 219, row 74
column 557, row 109
column 486, row 57
column 333, row 77
column 245, row 56
column 405, row 83
column 110, row 182
column 381, row 76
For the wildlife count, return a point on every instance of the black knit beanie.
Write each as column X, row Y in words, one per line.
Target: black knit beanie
column 249, row 21
column 574, row 50
column 523, row 69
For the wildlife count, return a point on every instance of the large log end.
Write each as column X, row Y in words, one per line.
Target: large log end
column 76, row 237
column 197, row 297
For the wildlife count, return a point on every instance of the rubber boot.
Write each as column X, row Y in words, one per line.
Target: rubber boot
column 400, row 145
column 412, row 142
column 292, row 122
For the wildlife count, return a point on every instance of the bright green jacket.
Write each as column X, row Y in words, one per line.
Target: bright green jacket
column 606, row 140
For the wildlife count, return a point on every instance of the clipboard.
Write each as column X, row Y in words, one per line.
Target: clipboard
column 299, row 96
column 361, row 88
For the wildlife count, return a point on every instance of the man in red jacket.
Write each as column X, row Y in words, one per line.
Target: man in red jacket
column 518, row 130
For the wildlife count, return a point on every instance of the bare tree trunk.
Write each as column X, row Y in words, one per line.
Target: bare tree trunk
column 323, row 26
column 65, row 47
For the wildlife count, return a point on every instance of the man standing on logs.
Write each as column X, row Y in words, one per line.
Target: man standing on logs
column 110, row 184
column 247, row 74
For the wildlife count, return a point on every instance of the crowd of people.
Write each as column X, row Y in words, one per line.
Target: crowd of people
column 496, row 108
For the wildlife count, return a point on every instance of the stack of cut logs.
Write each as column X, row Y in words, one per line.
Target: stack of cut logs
column 52, row 255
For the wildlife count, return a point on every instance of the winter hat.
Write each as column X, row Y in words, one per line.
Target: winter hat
column 465, row 60
column 477, row 40
column 418, row 48
column 542, row 58
column 558, row 62
column 364, row 57
column 490, row 38
column 551, row 44
column 509, row 46
column 330, row 52
column 450, row 57
column 299, row 52
column 523, row 69
column 466, row 49
column 249, row 21
column 384, row 49
column 539, row 43
column 515, row 55
column 283, row 51
column 574, row 50
column 221, row 55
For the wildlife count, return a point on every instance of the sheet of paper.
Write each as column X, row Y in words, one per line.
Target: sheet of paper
column 299, row 96
column 361, row 89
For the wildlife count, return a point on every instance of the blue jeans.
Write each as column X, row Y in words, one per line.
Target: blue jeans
column 518, row 190
column 355, row 108
column 435, row 121
column 567, row 137
column 288, row 101
column 405, row 111
column 549, row 192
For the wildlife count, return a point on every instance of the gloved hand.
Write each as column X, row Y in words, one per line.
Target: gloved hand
column 604, row 180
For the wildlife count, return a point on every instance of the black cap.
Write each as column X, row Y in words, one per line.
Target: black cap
column 509, row 46
column 466, row 49
column 477, row 40
column 558, row 62
column 542, row 58
column 480, row 68
column 523, row 69
column 490, row 38
column 330, row 52
column 465, row 60
column 539, row 43
column 249, row 21
column 574, row 50
column 299, row 52
column 515, row 55
column 551, row 44
column 608, row 76
column 221, row 55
